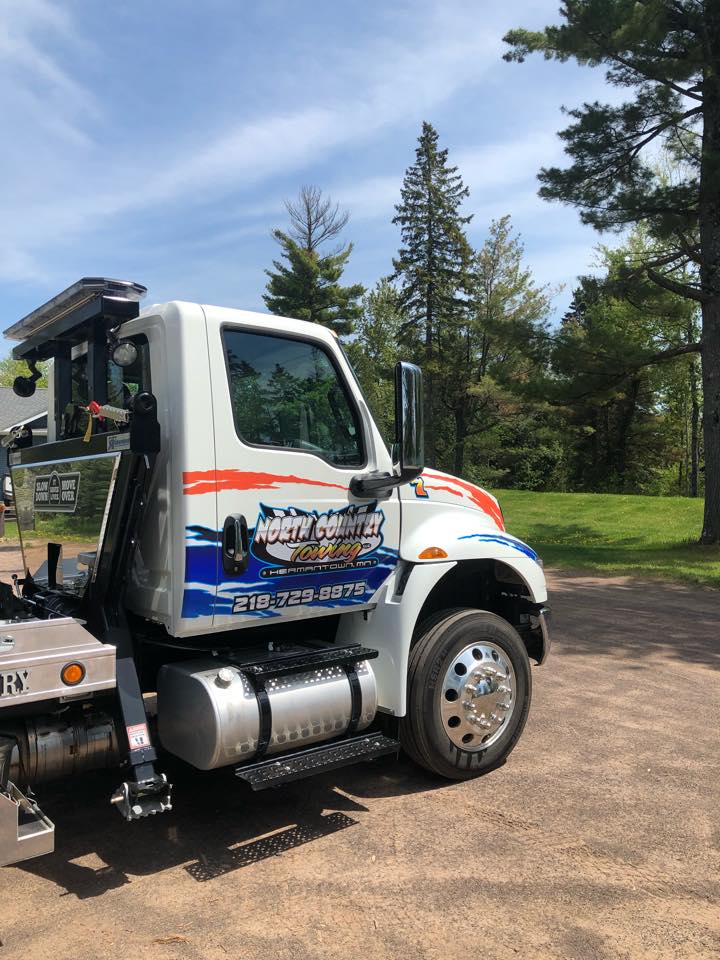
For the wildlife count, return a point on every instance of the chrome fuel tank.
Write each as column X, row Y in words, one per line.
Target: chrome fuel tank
column 208, row 713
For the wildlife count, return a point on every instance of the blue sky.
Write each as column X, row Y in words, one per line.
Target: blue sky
column 156, row 142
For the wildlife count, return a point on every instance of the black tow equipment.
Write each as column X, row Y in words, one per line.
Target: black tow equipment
column 87, row 315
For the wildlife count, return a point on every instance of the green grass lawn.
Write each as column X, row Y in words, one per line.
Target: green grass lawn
column 639, row 536
column 11, row 531
column 613, row 534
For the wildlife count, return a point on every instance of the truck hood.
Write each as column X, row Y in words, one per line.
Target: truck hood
column 465, row 522
column 433, row 486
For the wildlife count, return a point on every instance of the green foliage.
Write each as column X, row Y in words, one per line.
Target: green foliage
column 307, row 286
column 608, row 401
column 619, row 403
column 491, row 348
column 664, row 54
column 9, row 369
column 374, row 352
column 655, row 49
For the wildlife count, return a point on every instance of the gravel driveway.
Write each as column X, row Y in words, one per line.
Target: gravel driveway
column 598, row 839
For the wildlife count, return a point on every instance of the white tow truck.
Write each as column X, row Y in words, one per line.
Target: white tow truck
column 224, row 562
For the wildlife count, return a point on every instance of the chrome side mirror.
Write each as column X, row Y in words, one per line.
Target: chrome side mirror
column 409, row 461
column 409, row 426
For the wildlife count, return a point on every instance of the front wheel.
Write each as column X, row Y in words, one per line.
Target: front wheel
column 469, row 688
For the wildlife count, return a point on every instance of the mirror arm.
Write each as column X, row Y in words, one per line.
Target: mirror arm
column 378, row 484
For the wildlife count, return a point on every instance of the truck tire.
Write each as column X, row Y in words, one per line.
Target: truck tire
column 469, row 689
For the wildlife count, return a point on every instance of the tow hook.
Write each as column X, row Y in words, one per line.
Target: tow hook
column 136, row 799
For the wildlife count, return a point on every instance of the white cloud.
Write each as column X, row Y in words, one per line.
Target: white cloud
column 35, row 86
column 379, row 86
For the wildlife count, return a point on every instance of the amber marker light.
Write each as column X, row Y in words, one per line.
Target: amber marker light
column 432, row 553
column 72, row 674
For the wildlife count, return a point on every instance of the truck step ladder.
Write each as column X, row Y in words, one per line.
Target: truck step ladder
column 314, row 658
column 306, row 763
column 25, row 831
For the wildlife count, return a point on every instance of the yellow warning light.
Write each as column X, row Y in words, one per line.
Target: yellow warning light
column 432, row 553
column 72, row 674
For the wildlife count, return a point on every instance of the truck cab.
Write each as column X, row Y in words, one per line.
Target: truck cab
column 216, row 509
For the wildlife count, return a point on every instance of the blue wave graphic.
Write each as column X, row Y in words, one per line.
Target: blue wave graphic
column 505, row 541
column 208, row 592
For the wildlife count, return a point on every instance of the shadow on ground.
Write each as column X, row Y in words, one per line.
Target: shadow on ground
column 218, row 825
column 633, row 620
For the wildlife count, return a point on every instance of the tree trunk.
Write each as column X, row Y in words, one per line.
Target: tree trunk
column 626, row 415
column 428, row 382
column 694, row 431
column 709, row 221
column 711, row 418
column 460, row 435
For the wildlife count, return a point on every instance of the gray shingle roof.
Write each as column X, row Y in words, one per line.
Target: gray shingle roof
column 15, row 409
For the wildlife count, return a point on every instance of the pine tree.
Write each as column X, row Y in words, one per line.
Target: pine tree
column 305, row 284
column 432, row 265
column 307, row 287
column 494, row 344
column 374, row 352
column 665, row 55
column 623, row 407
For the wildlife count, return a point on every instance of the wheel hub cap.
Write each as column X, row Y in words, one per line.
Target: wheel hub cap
column 478, row 696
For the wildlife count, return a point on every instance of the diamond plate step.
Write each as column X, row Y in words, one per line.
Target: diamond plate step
column 283, row 666
column 306, row 763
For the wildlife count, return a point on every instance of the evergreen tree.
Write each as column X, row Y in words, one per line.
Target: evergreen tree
column 374, row 352
column 431, row 266
column 492, row 347
column 622, row 407
column 305, row 284
column 667, row 54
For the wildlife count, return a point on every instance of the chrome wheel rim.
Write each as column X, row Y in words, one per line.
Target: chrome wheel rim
column 478, row 696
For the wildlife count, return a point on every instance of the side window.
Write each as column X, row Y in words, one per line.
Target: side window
column 287, row 393
column 122, row 384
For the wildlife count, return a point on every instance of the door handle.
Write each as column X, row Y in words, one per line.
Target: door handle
column 235, row 545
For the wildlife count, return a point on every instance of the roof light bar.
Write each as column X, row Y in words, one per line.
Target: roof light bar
column 80, row 293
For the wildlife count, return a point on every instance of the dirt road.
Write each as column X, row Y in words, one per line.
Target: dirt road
column 598, row 839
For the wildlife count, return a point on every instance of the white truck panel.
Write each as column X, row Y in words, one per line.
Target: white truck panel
column 389, row 628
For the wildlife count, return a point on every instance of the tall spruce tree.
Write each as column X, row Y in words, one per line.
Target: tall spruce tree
column 305, row 284
column 665, row 54
column 491, row 348
column 432, row 265
column 374, row 351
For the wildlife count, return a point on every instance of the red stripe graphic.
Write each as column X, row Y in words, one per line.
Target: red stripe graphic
column 212, row 481
column 478, row 496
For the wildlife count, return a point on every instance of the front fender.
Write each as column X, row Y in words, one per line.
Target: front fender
column 467, row 534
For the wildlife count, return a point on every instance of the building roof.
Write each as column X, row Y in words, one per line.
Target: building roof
column 14, row 409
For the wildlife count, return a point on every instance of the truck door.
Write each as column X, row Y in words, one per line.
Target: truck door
column 291, row 430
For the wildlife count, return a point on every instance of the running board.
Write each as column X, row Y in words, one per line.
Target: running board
column 306, row 763
column 25, row 831
column 300, row 661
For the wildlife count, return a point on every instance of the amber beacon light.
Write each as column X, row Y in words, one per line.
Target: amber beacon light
column 432, row 553
column 72, row 674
